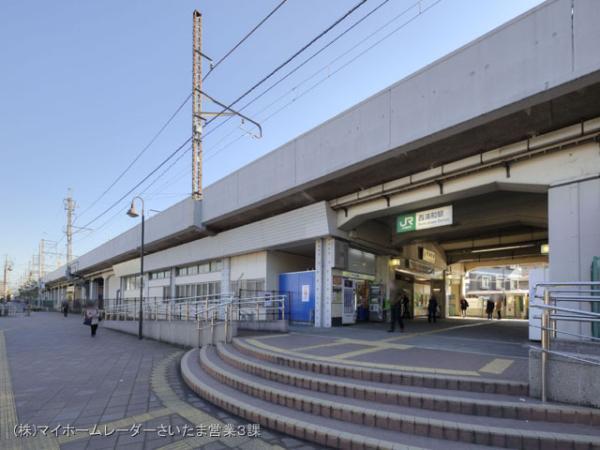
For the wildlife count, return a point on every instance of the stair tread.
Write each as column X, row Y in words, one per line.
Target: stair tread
column 518, row 400
column 332, row 424
column 513, row 424
column 350, row 364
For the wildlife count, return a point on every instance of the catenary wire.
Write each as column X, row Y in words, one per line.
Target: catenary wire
column 139, row 155
column 234, row 48
column 312, row 87
column 114, row 216
column 165, row 161
column 287, row 61
column 289, row 73
column 314, row 74
column 310, row 58
column 273, row 72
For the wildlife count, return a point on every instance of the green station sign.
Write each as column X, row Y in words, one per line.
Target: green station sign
column 422, row 220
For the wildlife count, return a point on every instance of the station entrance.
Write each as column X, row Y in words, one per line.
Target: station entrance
column 479, row 249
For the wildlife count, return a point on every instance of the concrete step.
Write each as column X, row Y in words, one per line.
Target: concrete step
column 347, row 370
column 326, row 431
column 469, row 403
column 467, row 429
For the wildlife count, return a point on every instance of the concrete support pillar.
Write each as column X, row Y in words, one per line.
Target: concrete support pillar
column 324, row 262
column 226, row 277
column 91, row 293
column 574, row 236
column 173, row 286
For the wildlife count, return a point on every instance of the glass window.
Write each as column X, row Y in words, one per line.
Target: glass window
column 499, row 283
column 204, row 268
column 485, row 282
column 161, row 275
column 132, row 282
column 216, row 266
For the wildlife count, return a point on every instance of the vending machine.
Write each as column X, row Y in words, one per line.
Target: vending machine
column 376, row 297
column 349, row 297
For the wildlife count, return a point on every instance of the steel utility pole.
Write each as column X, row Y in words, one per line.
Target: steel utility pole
column 69, row 207
column 40, row 271
column 197, row 112
column 196, row 107
column 7, row 268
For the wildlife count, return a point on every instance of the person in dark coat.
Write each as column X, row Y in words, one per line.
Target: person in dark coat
column 396, row 312
column 65, row 307
column 432, row 307
column 464, row 304
column 405, row 306
column 489, row 309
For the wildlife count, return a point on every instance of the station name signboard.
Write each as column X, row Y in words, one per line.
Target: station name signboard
column 422, row 220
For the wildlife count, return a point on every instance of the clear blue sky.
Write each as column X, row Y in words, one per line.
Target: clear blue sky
column 84, row 86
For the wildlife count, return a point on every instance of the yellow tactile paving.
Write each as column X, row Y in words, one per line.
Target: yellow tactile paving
column 377, row 345
column 430, row 370
column 8, row 413
column 163, row 391
column 497, row 366
column 438, row 330
column 8, row 409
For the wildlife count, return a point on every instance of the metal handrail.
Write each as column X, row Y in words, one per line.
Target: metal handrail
column 206, row 312
column 551, row 313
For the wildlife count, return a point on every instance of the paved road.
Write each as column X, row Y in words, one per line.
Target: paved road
column 52, row 373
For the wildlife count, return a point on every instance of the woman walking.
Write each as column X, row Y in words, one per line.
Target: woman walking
column 92, row 317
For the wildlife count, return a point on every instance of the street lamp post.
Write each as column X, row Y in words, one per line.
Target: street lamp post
column 133, row 213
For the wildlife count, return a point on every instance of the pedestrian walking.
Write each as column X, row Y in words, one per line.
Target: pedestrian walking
column 499, row 303
column 432, row 308
column 489, row 308
column 65, row 307
column 92, row 317
column 396, row 312
column 405, row 306
column 464, row 304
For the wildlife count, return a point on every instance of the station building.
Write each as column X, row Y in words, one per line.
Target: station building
column 458, row 180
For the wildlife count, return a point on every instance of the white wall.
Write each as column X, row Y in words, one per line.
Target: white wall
column 574, row 235
column 111, row 286
column 281, row 262
column 249, row 266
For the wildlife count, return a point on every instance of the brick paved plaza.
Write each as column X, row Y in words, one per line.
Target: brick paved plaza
column 53, row 373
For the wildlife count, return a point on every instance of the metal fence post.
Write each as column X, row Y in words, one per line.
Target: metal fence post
column 545, row 345
column 226, row 325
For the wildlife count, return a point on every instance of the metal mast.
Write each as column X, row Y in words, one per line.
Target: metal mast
column 7, row 269
column 69, row 207
column 196, row 108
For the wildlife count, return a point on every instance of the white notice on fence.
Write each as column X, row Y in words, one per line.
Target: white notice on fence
column 305, row 292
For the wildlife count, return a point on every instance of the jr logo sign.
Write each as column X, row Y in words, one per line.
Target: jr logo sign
column 406, row 222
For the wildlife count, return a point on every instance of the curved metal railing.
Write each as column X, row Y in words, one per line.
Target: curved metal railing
column 586, row 294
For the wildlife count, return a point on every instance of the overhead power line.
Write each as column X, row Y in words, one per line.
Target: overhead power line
column 156, row 169
column 310, row 58
column 287, row 61
column 250, row 90
column 234, row 48
column 139, row 155
column 312, row 87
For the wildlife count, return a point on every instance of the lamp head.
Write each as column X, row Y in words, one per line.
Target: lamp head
column 132, row 212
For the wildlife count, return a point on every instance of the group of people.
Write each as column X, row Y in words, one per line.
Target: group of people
column 489, row 308
column 400, row 309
